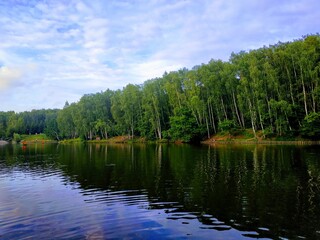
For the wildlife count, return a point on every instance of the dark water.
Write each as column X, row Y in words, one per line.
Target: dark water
column 159, row 192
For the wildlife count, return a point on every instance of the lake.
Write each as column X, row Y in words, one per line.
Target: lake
column 150, row 191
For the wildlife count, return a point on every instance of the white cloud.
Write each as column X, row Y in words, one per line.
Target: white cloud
column 83, row 46
column 8, row 76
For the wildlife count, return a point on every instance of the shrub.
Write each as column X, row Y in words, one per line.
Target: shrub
column 311, row 126
column 228, row 126
column 16, row 137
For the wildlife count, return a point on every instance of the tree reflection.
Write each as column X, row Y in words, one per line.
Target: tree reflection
column 272, row 190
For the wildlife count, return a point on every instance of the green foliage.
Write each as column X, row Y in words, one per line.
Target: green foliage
column 51, row 125
column 272, row 90
column 131, row 106
column 71, row 141
column 184, row 126
column 65, row 121
column 247, row 134
column 16, row 137
column 4, row 124
column 311, row 126
column 35, row 137
column 227, row 125
column 268, row 132
column 287, row 137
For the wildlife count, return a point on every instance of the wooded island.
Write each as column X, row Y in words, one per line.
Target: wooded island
column 274, row 91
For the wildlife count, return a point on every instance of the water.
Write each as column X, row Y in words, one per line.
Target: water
column 159, row 192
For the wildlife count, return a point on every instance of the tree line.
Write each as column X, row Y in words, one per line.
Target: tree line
column 274, row 90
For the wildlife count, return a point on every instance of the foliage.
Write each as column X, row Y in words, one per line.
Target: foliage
column 35, row 137
column 268, row 132
column 184, row 126
column 311, row 126
column 71, row 141
column 16, row 137
column 227, row 125
column 273, row 90
column 51, row 125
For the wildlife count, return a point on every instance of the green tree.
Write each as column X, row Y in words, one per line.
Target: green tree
column 16, row 137
column 51, row 124
column 311, row 126
column 184, row 127
column 65, row 121
column 3, row 124
column 15, row 124
column 155, row 109
column 118, row 113
column 131, row 106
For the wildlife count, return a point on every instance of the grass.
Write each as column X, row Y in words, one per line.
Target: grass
column 71, row 141
column 120, row 139
column 35, row 138
column 243, row 136
column 247, row 136
column 127, row 139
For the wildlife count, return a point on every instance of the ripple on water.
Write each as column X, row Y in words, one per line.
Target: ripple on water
column 39, row 199
column 42, row 206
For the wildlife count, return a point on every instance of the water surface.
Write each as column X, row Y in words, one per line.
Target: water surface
column 159, row 191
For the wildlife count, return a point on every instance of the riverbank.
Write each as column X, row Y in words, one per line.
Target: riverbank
column 265, row 142
column 247, row 137
column 127, row 139
column 26, row 139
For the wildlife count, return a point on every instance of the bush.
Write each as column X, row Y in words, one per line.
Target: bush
column 229, row 126
column 183, row 126
column 311, row 126
column 268, row 132
column 16, row 137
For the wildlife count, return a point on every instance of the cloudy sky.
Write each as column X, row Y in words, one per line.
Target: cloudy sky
column 57, row 50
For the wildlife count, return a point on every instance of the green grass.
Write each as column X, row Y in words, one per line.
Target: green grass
column 35, row 137
column 73, row 140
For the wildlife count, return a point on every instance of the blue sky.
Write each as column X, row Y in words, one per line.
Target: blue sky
column 57, row 50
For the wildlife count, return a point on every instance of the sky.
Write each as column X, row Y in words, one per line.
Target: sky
column 53, row 51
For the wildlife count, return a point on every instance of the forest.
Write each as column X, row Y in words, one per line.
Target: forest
column 273, row 90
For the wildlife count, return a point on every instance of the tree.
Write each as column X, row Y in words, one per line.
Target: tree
column 131, row 106
column 154, row 105
column 51, row 124
column 3, row 124
column 118, row 113
column 15, row 124
column 184, row 127
column 65, row 121
column 311, row 126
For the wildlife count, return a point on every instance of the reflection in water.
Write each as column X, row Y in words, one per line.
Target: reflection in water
column 159, row 191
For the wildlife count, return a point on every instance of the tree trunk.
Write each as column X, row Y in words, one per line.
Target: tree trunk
column 236, row 108
column 208, row 130
column 224, row 109
column 57, row 136
column 270, row 114
column 106, row 133
column 252, row 118
column 304, row 92
column 159, row 129
column 290, row 85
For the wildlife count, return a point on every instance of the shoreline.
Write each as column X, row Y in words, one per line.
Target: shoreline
column 262, row 142
column 211, row 141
